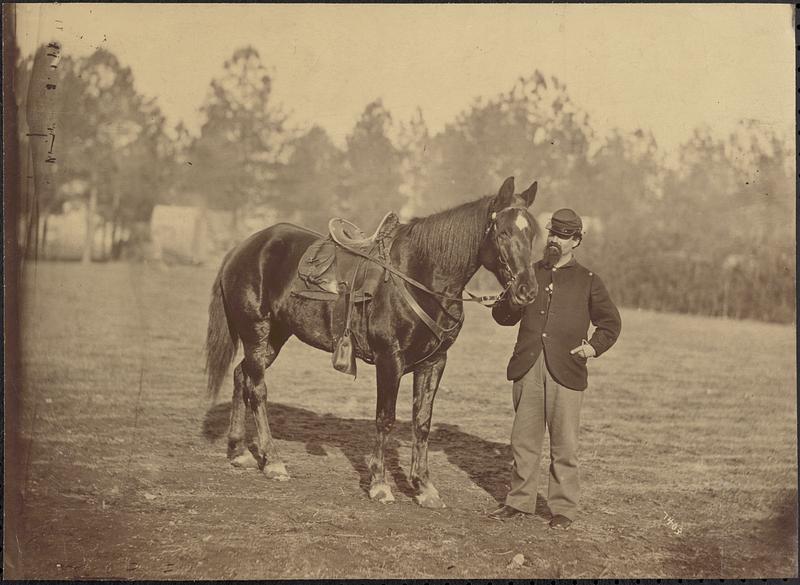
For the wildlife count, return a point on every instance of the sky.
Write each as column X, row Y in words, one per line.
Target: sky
column 664, row 68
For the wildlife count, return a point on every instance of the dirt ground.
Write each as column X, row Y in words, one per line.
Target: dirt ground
column 688, row 452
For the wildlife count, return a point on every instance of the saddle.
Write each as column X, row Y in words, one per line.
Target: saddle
column 348, row 234
column 337, row 269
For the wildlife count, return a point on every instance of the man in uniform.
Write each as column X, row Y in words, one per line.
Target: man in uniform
column 548, row 369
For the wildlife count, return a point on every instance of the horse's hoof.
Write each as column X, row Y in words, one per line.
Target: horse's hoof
column 245, row 461
column 429, row 499
column 276, row 471
column 382, row 493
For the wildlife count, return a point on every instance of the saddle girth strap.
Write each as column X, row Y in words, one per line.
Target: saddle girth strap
column 438, row 331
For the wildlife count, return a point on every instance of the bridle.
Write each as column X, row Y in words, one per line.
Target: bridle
column 501, row 259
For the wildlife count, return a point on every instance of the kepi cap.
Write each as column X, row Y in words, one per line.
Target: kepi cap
column 565, row 222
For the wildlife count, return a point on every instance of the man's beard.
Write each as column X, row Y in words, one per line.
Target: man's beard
column 552, row 254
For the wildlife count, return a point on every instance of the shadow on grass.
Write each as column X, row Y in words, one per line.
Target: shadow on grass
column 485, row 462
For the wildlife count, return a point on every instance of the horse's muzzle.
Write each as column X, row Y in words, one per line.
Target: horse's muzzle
column 524, row 294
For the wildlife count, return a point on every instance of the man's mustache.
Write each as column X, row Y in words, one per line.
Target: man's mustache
column 553, row 245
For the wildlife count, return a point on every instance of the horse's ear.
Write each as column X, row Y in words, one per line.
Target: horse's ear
column 505, row 195
column 529, row 194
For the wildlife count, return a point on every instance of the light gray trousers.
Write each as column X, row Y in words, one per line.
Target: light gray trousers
column 539, row 402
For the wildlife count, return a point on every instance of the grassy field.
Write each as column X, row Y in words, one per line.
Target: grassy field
column 689, row 454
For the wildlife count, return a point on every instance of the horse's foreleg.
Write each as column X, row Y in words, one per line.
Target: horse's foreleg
column 426, row 383
column 388, row 372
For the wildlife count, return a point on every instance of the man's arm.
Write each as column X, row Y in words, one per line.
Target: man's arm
column 605, row 317
column 505, row 314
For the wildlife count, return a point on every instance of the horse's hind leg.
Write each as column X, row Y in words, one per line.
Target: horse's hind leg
column 388, row 372
column 258, row 357
column 238, row 455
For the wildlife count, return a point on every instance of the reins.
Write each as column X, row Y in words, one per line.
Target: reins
column 485, row 300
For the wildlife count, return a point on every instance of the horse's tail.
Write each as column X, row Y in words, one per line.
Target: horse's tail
column 221, row 338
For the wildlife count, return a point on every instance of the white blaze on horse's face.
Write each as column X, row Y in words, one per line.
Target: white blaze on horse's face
column 522, row 223
column 528, row 226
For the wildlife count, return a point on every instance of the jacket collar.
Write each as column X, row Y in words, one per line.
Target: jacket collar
column 572, row 262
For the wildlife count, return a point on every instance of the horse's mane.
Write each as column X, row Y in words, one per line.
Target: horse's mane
column 451, row 238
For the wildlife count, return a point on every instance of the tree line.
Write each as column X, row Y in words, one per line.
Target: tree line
column 710, row 231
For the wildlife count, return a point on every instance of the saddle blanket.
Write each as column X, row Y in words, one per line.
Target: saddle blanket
column 328, row 271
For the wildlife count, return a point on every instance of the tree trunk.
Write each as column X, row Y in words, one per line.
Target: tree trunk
column 43, row 101
column 106, row 248
column 89, row 241
column 114, row 245
column 44, row 235
column 115, row 221
column 726, row 292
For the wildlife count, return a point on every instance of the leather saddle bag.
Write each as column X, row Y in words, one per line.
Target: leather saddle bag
column 344, row 358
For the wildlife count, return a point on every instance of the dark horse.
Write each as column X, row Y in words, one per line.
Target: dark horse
column 251, row 302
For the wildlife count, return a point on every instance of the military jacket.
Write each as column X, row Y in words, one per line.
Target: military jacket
column 570, row 297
